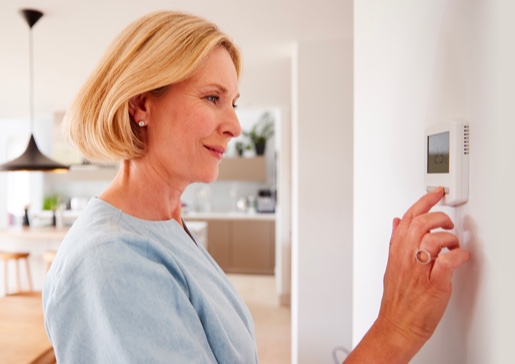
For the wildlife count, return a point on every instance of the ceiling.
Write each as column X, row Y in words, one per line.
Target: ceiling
column 72, row 35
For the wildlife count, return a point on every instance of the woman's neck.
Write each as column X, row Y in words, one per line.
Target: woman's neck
column 140, row 191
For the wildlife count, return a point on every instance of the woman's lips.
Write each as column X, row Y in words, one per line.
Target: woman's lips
column 216, row 150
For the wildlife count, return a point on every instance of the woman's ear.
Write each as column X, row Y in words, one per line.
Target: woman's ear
column 138, row 108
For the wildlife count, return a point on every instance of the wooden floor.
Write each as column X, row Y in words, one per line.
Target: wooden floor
column 272, row 321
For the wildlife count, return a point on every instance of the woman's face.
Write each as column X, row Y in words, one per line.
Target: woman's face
column 190, row 124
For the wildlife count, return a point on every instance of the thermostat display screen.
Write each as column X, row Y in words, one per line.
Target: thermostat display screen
column 438, row 153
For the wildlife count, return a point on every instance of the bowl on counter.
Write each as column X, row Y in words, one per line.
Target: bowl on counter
column 78, row 203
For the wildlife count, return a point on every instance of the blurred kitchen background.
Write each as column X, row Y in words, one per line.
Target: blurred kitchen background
column 247, row 182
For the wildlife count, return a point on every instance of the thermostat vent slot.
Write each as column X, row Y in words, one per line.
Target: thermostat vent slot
column 466, row 140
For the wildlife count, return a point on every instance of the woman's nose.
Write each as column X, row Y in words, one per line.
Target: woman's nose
column 231, row 126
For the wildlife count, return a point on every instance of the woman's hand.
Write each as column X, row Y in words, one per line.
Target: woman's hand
column 416, row 291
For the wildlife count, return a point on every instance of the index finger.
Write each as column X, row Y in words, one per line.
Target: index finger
column 424, row 204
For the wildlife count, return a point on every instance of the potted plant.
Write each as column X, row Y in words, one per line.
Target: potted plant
column 51, row 203
column 261, row 132
column 240, row 147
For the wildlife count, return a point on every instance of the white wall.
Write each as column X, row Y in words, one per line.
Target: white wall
column 322, row 196
column 418, row 63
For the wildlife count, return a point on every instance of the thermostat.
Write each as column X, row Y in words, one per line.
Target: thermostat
column 447, row 160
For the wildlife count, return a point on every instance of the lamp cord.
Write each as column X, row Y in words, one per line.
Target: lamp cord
column 339, row 349
column 31, row 82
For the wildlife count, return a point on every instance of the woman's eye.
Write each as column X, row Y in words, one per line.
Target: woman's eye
column 212, row 99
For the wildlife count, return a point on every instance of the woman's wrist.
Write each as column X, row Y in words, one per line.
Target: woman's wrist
column 385, row 343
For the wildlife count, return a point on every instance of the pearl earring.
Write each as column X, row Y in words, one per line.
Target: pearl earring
column 141, row 123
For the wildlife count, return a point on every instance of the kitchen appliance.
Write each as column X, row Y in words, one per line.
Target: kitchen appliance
column 265, row 201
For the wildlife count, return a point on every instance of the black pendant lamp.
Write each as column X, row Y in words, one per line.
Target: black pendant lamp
column 32, row 159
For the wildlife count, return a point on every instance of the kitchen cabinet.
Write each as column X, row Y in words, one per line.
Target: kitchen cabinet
column 242, row 169
column 219, row 242
column 253, row 247
column 91, row 172
column 241, row 245
column 62, row 151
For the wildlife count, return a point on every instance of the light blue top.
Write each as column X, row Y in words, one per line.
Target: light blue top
column 126, row 290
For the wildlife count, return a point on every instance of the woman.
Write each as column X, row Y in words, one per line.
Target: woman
column 130, row 284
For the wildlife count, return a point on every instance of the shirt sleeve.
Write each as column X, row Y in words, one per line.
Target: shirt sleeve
column 113, row 304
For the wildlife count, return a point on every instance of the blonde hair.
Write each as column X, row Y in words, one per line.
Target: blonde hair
column 155, row 51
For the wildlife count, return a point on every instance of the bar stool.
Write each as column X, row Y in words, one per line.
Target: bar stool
column 48, row 258
column 17, row 257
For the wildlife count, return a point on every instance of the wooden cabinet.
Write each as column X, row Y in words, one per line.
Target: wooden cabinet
column 242, row 245
column 219, row 241
column 242, row 169
column 253, row 246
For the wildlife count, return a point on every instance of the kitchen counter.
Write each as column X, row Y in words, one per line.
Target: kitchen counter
column 229, row 216
column 50, row 233
column 38, row 240
column 36, row 233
